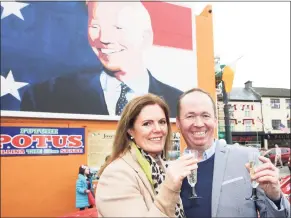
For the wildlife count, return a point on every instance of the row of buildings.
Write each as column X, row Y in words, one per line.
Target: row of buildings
column 259, row 116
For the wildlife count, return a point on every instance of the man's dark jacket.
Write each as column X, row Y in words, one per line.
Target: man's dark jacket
column 81, row 93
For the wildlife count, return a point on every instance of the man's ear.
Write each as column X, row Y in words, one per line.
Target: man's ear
column 148, row 38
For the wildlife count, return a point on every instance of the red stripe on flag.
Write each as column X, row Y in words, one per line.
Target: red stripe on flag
column 172, row 24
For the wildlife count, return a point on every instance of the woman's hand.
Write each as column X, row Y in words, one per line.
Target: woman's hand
column 179, row 169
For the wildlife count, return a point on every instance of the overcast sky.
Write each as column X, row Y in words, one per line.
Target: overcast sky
column 260, row 31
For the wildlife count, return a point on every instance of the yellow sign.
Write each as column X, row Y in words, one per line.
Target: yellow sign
column 227, row 77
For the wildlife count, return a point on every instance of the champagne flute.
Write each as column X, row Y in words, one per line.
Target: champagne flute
column 254, row 163
column 192, row 178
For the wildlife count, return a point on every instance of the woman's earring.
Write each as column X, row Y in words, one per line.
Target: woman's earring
column 131, row 137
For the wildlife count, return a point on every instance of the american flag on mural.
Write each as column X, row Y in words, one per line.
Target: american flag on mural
column 38, row 42
column 284, row 128
column 41, row 40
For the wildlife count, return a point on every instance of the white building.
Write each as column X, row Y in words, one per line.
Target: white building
column 245, row 117
column 276, row 115
column 259, row 116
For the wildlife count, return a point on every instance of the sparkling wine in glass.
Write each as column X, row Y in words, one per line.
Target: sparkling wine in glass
column 254, row 163
column 192, row 178
column 253, row 166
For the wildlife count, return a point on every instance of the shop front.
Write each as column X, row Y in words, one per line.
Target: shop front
column 252, row 139
column 281, row 139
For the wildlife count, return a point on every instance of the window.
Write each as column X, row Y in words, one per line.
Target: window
column 247, row 111
column 284, row 150
column 275, row 103
column 288, row 124
column 276, row 124
column 221, row 127
column 232, row 125
column 248, row 125
column 272, row 151
column 231, row 110
column 288, row 104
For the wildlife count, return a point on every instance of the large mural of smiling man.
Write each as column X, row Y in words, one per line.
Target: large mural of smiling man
column 124, row 39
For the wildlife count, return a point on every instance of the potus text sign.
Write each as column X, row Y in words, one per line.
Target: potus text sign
column 24, row 141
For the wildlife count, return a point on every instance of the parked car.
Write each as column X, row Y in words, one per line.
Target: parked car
column 285, row 155
column 289, row 163
column 286, row 186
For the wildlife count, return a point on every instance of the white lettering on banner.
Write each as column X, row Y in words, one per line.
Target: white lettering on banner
column 13, row 151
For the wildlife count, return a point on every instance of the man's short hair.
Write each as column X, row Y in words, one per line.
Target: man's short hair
column 195, row 90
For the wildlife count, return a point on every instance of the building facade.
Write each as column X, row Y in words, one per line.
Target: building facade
column 259, row 117
column 276, row 115
column 245, row 118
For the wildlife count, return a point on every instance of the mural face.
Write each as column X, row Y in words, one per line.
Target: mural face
column 116, row 34
column 82, row 61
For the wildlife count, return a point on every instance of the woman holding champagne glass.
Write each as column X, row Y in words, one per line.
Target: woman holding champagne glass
column 137, row 181
column 192, row 178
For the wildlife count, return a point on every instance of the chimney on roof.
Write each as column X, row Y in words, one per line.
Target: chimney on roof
column 248, row 84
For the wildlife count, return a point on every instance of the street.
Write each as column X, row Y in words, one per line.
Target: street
column 284, row 171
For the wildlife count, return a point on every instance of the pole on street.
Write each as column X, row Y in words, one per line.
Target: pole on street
column 258, row 144
column 228, row 136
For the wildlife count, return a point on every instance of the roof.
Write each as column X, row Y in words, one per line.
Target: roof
column 242, row 94
column 272, row 92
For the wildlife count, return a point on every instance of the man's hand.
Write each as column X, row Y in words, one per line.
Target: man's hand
column 267, row 175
